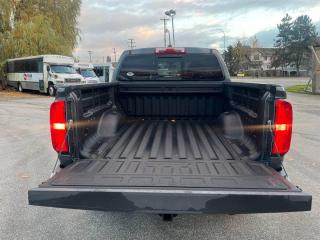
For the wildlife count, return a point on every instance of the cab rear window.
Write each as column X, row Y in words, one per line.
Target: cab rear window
column 195, row 67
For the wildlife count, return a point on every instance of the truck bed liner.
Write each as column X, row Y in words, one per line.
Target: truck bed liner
column 169, row 154
column 156, row 140
column 202, row 174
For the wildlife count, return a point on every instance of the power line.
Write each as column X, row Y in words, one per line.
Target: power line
column 131, row 43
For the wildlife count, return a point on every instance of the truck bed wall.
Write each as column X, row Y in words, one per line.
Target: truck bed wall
column 173, row 105
column 239, row 110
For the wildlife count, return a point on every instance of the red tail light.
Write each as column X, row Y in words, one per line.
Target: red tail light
column 58, row 127
column 282, row 128
column 160, row 51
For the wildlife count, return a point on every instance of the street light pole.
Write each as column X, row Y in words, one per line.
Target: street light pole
column 173, row 37
column 170, row 45
column 171, row 13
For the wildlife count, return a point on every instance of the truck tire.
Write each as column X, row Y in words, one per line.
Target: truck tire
column 20, row 88
column 51, row 90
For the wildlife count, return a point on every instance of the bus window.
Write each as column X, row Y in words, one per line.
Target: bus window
column 10, row 67
column 19, row 66
column 40, row 65
column 33, row 66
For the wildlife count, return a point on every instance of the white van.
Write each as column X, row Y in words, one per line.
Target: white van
column 104, row 72
column 42, row 73
column 86, row 71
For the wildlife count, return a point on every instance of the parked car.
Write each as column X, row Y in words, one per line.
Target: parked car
column 87, row 72
column 172, row 135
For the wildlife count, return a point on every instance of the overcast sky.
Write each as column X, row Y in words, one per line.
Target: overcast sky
column 107, row 24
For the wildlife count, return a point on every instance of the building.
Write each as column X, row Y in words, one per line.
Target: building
column 257, row 62
column 260, row 60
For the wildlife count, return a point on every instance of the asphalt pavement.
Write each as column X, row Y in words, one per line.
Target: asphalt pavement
column 26, row 158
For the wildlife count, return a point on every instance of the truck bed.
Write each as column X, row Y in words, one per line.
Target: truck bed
column 181, row 153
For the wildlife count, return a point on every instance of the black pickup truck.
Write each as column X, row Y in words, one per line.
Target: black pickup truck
column 170, row 135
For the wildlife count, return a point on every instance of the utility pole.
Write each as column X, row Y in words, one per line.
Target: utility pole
column 165, row 20
column 132, row 43
column 90, row 56
column 115, row 54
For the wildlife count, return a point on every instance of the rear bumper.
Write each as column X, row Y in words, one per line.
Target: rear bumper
column 170, row 201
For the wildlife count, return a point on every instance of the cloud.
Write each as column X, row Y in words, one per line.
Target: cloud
column 246, row 5
column 107, row 24
column 266, row 38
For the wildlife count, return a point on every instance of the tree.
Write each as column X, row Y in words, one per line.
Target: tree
column 33, row 27
column 242, row 52
column 230, row 60
column 62, row 14
column 36, row 37
column 303, row 36
column 234, row 57
column 49, row 26
column 5, row 14
column 254, row 42
column 293, row 42
column 284, row 38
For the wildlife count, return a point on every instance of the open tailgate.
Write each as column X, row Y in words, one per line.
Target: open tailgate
column 251, row 188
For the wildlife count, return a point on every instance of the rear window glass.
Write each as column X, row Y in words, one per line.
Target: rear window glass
column 186, row 67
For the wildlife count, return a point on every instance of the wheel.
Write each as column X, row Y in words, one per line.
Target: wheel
column 51, row 90
column 20, row 88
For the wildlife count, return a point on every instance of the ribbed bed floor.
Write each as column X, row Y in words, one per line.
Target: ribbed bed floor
column 168, row 140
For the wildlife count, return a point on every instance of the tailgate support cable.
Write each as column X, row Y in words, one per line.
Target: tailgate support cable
column 53, row 172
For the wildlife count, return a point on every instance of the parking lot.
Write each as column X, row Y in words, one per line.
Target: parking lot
column 27, row 158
